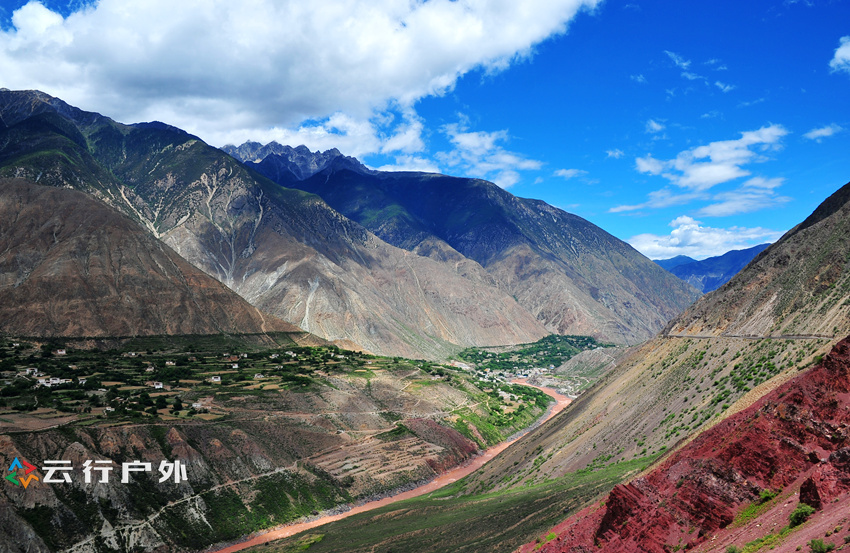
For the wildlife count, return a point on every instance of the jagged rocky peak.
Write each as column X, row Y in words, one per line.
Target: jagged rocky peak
column 299, row 161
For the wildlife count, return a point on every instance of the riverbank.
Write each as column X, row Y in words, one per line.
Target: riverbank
column 452, row 475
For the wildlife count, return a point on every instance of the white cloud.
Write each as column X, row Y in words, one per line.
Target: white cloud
column 479, row 154
column 570, row 173
column 653, row 126
column 703, row 167
column 638, row 79
column 841, row 60
column 692, row 76
column 755, row 194
column 823, row 132
column 659, row 199
column 724, row 87
column 411, row 163
column 678, row 60
column 229, row 71
column 690, row 238
column 615, row 153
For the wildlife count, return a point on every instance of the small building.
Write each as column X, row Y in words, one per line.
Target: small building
column 170, row 363
column 60, row 352
column 197, row 406
column 235, row 365
column 157, row 385
column 215, row 378
column 82, row 381
column 150, row 369
column 258, row 376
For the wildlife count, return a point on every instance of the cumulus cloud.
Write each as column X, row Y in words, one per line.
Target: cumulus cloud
column 823, row 132
column 411, row 163
column 212, row 66
column 481, row 154
column 841, row 60
column 615, row 153
column 703, row 167
column 689, row 237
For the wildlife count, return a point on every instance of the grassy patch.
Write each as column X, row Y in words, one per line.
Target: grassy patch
column 445, row 521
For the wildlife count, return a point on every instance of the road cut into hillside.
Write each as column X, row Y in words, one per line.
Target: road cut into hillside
column 452, row 475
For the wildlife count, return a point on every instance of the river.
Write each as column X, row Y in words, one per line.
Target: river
column 441, row 480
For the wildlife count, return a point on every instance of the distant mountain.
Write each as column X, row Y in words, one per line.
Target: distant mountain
column 774, row 318
column 285, row 251
column 713, row 272
column 571, row 275
column 668, row 264
column 287, row 163
column 72, row 266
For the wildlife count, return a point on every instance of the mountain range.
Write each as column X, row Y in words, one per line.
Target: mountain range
column 495, row 270
column 570, row 275
column 711, row 273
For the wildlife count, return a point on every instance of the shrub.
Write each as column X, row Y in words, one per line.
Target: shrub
column 767, row 495
column 733, row 549
column 818, row 546
column 801, row 514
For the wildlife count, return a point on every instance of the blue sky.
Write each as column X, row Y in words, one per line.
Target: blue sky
column 682, row 127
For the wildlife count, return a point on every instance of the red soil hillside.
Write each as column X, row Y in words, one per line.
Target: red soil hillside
column 795, row 439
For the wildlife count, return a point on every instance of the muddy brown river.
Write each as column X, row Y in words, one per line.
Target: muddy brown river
column 441, row 480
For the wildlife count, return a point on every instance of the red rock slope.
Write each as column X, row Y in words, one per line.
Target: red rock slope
column 797, row 439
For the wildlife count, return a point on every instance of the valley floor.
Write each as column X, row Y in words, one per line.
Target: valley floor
column 449, row 477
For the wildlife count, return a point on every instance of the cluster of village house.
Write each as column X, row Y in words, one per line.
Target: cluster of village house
column 49, row 381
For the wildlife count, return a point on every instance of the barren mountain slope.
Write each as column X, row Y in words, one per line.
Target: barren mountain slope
column 72, row 266
column 799, row 286
column 283, row 250
column 573, row 276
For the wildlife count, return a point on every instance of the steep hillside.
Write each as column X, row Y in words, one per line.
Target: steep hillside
column 721, row 490
column 283, row 250
column 733, row 346
column 799, row 286
column 292, row 431
column 571, row 275
column 72, row 266
column 711, row 273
